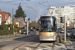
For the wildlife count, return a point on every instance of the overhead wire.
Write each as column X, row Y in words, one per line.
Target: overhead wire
column 30, row 7
column 48, row 2
column 38, row 3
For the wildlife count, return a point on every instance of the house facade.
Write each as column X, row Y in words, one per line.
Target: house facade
column 0, row 19
column 4, row 17
column 19, row 22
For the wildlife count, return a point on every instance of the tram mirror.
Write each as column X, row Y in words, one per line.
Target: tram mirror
column 55, row 22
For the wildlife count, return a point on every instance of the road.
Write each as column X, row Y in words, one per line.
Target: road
column 11, row 44
column 29, row 42
column 14, row 43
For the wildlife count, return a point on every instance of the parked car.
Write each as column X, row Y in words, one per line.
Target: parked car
column 31, row 29
column 73, row 33
column 25, row 32
column 61, row 31
column 58, row 30
column 68, row 32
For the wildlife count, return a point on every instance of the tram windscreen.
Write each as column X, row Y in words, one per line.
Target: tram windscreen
column 48, row 25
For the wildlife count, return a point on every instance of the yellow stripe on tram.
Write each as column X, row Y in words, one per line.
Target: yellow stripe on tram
column 47, row 34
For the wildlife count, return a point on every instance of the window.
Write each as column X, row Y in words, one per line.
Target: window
column 48, row 25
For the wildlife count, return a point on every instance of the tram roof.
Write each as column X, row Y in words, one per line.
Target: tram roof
column 46, row 16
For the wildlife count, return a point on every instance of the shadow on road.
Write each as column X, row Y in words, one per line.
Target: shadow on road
column 71, row 39
column 34, row 38
column 47, row 41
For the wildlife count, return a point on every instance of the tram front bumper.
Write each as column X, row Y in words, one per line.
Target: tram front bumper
column 51, row 38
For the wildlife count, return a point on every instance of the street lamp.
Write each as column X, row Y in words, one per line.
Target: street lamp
column 12, row 21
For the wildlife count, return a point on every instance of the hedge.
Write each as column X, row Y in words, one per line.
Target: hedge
column 4, row 29
column 5, row 32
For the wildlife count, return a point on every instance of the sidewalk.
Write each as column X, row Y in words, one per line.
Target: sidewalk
column 10, row 36
column 6, row 38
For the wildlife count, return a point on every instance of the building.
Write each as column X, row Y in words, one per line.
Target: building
column 61, row 11
column 19, row 22
column 33, row 24
column 9, row 20
column 4, row 16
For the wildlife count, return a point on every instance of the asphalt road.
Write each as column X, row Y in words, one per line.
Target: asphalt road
column 10, row 45
column 28, row 42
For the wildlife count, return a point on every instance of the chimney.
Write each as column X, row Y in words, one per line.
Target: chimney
column 0, row 10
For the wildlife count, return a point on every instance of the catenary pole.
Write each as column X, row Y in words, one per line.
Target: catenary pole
column 12, row 21
column 27, row 27
column 65, row 29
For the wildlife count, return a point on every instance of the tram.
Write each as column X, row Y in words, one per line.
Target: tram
column 47, row 28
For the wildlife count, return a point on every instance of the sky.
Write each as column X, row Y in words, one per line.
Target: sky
column 33, row 8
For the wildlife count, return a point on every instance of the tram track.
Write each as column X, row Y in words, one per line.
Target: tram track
column 37, row 46
column 53, row 46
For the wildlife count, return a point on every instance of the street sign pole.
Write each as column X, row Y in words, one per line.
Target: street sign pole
column 12, row 21
column 27, row 27
column 65, row 29
column 27, row 21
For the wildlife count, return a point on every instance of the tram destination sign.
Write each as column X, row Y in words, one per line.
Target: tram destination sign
column 45, row 19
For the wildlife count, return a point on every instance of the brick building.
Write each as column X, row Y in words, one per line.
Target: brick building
column 4, row 16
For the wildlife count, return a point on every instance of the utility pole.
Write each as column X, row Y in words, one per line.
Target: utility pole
column 27, row 21
column 27, row 27
column 12, row 21
column 65, row 29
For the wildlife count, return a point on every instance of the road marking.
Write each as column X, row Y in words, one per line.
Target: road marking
column 37, row 46
column 42, row 46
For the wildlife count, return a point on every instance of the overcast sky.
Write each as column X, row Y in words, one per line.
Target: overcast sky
column 38, row 7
